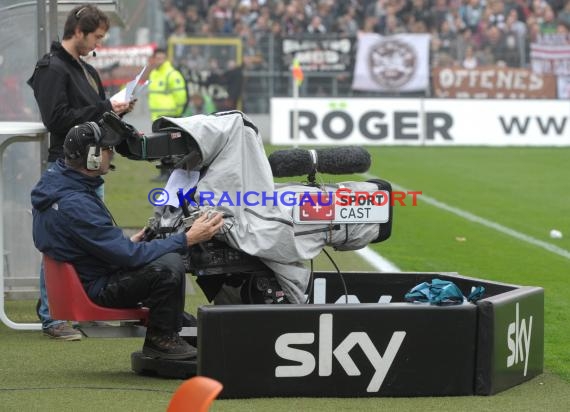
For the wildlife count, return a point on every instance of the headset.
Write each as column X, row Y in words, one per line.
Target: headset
column 93, row 161
column 92, row 152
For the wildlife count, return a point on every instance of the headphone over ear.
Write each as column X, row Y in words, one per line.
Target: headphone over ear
column 93, row 160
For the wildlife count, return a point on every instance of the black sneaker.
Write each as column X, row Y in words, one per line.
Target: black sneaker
column 169, row 346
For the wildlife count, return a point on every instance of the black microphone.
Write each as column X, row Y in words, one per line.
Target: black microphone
column 335, row 161
column 94, row 54
column 112, row 167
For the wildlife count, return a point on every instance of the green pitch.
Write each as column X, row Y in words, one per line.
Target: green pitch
column 484, row 212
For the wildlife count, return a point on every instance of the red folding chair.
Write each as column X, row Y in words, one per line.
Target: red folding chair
column 68, row 301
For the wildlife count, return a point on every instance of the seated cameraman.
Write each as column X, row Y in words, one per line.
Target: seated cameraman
column 72, row 224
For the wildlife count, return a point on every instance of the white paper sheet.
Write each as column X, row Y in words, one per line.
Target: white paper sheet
column 131, row 89
column 180, row 179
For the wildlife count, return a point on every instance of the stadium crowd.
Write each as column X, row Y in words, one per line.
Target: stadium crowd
column 468, row 33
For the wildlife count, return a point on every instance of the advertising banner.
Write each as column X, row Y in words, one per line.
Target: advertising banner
column 511, row 339
column 492, row 82
column 320, row 350
column 378, row 345
column 551, row 54
column 318, row 53
column 119, row 65
column 414, row 122
column 392, row 63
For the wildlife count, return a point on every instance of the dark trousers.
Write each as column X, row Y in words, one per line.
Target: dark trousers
column 159, row 286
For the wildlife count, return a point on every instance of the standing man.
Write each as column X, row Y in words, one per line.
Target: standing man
column 68, row 92
column 167, row 96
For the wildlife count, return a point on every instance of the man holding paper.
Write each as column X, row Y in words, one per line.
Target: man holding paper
column 67, row 89
column 69, row 92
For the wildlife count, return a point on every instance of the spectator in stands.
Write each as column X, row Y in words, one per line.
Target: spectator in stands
column 261, row 28
column 200, row 103
column 293, row 20
column 179, row 34
column 194, row 59
column 469, row 61
column 549, row 23
column 416, row 26
column 533, row 29
column 519, row 30
column 479, row 34
column 439, row 13
column 418, row 12
column 206, row 30
column 464, row 41
column 519, row 6
column 563, row 29
column 393, row 25
column 326, row 13
column 495, row 43
column 456, row 23
column 472, row 12
column 170, row 13
column 347, row 24
column 220, row 17
column 243, row 17
column 448, row 39
column 564, row 15
column 497, row 17
column 537, row 8
column 513, row 23
column 193, row 20
column 377, row 9
column 71, row 224
column 68, row 92
column 276, row 30
column 316, row 26
column 252, row 55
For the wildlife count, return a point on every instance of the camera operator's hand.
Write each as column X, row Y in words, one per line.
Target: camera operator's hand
column 137, row 237
column 204, row 228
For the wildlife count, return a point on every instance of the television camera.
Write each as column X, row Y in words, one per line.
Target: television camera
column 271, row 229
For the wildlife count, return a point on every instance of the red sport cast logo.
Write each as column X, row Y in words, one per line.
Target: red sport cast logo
column 316, row 206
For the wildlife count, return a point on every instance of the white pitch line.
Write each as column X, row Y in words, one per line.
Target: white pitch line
column 379, row 262
column 487, row 223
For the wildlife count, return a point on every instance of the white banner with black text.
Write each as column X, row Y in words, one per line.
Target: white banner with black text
column 415, row 122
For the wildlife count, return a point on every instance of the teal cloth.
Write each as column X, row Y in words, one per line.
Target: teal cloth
column 442, row 292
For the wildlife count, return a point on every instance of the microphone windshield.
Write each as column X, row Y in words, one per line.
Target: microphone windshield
column 336, row 161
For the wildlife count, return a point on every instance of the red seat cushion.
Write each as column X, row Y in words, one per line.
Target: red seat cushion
column 68, row 300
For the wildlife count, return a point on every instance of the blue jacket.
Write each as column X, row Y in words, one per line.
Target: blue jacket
column 71, row 224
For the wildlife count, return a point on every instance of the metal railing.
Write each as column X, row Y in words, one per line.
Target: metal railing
column 18, row 132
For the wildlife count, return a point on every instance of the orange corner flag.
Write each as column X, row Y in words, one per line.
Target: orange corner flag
column 297, row 72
